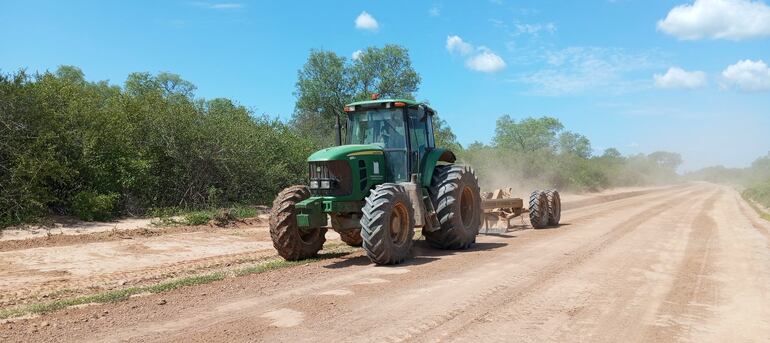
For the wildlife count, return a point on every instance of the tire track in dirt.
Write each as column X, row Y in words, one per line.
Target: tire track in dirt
column 300, row 297
column 517, row 286
column 210, row 326
column 614, row 296
column 589, row 211
column 694, row 289
column 572, row 205
column 751, row 214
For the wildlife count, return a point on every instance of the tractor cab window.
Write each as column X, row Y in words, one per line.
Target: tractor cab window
column 418, row 134
column 384, row 127
column 378, row 126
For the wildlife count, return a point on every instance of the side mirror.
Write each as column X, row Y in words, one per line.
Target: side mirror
column 422, row 113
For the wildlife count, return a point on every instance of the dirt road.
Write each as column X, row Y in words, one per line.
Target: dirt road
column 680, row 264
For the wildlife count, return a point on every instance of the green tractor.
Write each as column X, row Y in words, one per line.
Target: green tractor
column 388, row 179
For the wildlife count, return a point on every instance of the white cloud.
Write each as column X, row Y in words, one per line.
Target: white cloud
column 718, row 19
column 482, row 59
column 357, row 54
column 678, row 78
column 485, row 61
column 365, row 21
column 434, row 11
column 535, row 29
column 579, row 69
column 225, row 6
column 219, row 5
column 456, row 44
column 747, row 75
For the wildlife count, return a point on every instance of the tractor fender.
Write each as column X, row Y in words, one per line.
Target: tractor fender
column 431, row 159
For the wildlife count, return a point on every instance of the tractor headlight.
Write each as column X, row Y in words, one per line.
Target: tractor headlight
column 325, row 184
column 314, row 184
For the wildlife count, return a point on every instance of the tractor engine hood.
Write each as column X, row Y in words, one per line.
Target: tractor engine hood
column 343, row 152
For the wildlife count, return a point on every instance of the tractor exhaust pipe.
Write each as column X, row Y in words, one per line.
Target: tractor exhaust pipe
column 338, row 128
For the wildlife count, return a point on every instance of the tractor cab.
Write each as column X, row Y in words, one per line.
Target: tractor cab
column 402, row 128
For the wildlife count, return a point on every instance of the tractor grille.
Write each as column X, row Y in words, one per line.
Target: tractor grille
column 338, row 173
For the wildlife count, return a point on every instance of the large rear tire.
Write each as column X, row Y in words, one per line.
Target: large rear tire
column 457, row 199
column 554, row 207
column 387, row 225
column 289, row 240
column 538, row 209
column 351, row 237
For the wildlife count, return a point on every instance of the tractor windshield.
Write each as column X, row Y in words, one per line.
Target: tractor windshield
column 384, row 127
column 378, row 126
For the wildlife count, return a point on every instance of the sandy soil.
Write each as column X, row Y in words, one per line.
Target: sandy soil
column 86, row 258
column 61, row 271
column 68, row 227
column 679, row 264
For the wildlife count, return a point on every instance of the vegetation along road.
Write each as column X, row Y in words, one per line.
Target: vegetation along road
column 684, row 263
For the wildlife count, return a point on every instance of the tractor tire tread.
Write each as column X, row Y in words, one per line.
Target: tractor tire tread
column 284, row 231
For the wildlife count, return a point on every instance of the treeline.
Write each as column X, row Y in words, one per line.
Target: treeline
column 754, row 181
column 540, row 152
column 96, row 150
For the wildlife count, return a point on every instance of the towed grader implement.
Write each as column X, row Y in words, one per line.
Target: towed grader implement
column 501, row 207
column 389, row 179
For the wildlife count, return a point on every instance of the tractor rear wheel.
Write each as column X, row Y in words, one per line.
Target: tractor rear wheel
column 351, row 237
column 456, row 197
column 554, row 207
column 387, row 224
column 291, row 242
column 538, row 209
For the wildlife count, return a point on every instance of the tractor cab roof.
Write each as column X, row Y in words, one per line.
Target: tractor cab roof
column 386, row 103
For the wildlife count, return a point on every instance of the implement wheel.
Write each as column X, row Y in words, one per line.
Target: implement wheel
column 289, row 240
column 554, row 207
column 538, row 209
column 456, row 197
column 387, row 224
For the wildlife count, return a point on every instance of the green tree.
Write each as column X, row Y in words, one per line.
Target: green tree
column 574, row 144
column 529, row 134
column 444, row 136
column 387, row 71
column 323, row 88
column 328, row 81
column 612, row 154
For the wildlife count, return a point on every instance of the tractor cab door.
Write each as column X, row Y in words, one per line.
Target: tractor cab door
column 420, row 136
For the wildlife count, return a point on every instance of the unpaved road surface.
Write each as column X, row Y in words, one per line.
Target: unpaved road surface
column 685, row 264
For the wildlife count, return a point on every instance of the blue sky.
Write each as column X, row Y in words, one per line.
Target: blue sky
column 684, row 76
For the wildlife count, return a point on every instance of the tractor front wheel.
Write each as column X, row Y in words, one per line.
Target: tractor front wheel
column 351, row 237
column 387, row 224
column 291, row 242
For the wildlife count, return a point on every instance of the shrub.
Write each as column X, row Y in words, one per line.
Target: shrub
column 150, row 142
column 759, row 193
column 198, row 217
column 92, row 206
